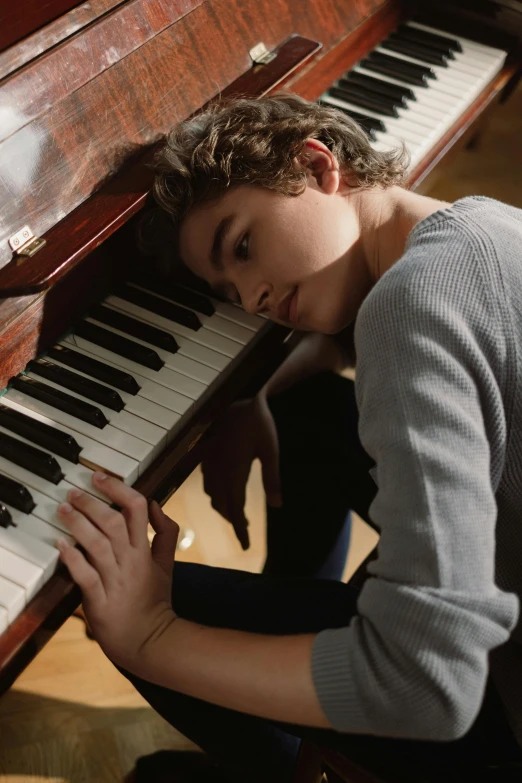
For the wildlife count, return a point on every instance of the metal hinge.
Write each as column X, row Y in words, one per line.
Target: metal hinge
column 260, row 54
column 24, row 242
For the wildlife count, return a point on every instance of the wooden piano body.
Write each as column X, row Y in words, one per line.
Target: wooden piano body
column 85, row 94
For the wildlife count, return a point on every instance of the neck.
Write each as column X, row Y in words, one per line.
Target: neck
column 386, row 218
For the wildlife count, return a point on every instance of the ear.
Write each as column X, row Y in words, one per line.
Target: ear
column 322, row 166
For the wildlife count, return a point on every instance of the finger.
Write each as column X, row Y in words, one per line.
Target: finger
column 133, row 506
column 111, row 523
column 270, row 471
column 85, row 576
column 164, row 542
column 240, row 525
column 236, row 512
column 97, row 546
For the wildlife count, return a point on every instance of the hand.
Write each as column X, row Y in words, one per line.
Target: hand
column 126, row 583
column 247, row 432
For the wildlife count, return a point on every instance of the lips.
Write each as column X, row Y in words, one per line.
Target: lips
column 286, row 310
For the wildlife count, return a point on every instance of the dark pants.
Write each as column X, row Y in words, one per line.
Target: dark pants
column 324, row 473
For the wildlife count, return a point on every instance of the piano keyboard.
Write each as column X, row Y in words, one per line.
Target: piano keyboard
column 414, row 86
column 110, row 395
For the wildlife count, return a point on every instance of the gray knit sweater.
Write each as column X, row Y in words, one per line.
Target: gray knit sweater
column 439, row 390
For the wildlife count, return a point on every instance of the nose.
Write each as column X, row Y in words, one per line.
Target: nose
column 255, row 300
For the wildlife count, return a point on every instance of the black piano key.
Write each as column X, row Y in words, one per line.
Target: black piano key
column 411, row 73
column 6, row 519
column 434, row 39
column 159, row 306
column 439, row 49
column 365, row 100
column 95, row 368
column 119, row 345
column 420, row 52
column 177, row 293
column 38, row 432
column 60, row 400
column 129, row 325
column 16, row 494
column 77, row 383
column 378, row 85
column 29, row 457
column 370, row 124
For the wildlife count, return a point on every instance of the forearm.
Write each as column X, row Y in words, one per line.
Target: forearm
column 268, row 676
column 315, row 353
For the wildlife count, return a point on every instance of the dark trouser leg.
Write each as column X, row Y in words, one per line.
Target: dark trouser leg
column 324, row 475
column 248, row 748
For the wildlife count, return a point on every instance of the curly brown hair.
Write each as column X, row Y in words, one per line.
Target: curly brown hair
column 256, row 141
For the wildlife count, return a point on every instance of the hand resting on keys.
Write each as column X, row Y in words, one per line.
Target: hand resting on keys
column 125, row 582
column 246, row 432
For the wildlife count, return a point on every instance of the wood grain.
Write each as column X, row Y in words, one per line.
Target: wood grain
column 18, row 20
column 53, row 33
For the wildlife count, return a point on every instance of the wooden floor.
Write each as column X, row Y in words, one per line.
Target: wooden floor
column 72, row 718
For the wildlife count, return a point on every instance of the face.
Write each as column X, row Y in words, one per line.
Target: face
column 296, row 259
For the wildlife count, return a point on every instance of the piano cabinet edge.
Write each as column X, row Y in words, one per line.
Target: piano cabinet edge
column 59, row 597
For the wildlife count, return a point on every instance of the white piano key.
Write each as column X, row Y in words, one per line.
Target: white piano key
column 27, row 546
column 122, row 420
column 212, row 322
column 74, row 475
column 226, row 328
column 137, row 404
column 4, row 619
column 46, row 505
column 93, row 453
column 42, row 524
column 210, row 340
column 487, row 51
column 21, row 572
column 57, row 492
column 395, row 133
column 238, row 315
column 109, row 436
column 188, row 348
column 177, row 381
column 426, row 98
column 445, row 83
column 194, row 369
column 164, row 377
column 12, row 598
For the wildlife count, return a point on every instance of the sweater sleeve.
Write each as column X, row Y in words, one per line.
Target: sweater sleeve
column 413, row 663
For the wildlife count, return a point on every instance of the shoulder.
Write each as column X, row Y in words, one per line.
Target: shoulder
column 448, row 275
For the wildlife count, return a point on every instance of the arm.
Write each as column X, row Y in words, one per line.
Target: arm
column 263, row 675
column 314, row 353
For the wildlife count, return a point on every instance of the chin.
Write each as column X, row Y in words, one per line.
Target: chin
column 330, row 324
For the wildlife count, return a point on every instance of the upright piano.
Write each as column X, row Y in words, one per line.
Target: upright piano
column 103, row 364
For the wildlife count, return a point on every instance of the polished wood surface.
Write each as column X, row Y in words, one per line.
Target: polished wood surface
column 18, row 20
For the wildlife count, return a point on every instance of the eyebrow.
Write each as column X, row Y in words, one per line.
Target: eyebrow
column 220, row 234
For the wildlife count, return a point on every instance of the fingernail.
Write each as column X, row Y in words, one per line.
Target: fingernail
column 74, row 494
column 65, row 508
column 99, row 476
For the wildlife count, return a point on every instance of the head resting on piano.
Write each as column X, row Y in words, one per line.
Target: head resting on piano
column 255, row 156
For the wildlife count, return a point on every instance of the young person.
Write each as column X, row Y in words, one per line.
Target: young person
column 284, row 206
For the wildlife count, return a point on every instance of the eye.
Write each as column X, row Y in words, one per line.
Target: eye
column 241, row 249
